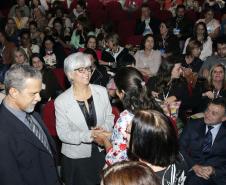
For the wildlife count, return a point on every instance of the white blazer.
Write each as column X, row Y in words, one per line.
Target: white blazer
column 71, row 124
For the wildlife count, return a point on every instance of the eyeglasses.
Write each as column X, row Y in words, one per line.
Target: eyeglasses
column 84, row 69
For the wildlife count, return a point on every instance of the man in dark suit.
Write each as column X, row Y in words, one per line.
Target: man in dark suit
column 146, row 24
column 27, row 152
column 202, row 144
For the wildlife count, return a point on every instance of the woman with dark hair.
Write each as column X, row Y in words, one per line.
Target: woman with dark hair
column 79, row 34
column 153, row 141
column 132, row 92
column 166, row 42
column 148, row 60
column 191, row 58
column 52, row 53
column 129, row 173
column 169, row 86
column 91, row 43
column 99, row 74
column 36, row 36
column 212, row 24
column 50, row 86
column 200, row 33
column 206, row 90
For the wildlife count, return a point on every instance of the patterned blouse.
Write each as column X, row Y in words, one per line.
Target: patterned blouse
column 118, row 152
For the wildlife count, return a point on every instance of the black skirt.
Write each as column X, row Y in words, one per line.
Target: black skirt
column 84, row 171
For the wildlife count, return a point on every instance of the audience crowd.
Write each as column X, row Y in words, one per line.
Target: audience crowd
column 132, row 92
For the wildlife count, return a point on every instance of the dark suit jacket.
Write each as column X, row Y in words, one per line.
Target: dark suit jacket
column 191, row 147
column 140, row 26
column 23, row 158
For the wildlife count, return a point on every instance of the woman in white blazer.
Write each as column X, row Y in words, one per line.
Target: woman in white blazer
column 82, row 112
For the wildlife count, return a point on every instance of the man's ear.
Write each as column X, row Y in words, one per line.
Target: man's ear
column 13, row 92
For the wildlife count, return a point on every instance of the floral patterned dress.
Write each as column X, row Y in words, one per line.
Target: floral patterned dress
column 118, row 152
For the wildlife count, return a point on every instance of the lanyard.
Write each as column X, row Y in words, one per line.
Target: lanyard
column 165, row 96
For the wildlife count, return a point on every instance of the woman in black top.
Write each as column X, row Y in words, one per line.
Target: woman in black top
column 169, row 86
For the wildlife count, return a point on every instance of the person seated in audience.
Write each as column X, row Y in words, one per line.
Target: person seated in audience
column 22, row 5
column 52, row 53
column 182, row 28
column 191, row 58
column 11, row 31
column 80, row 9
column 148, row 59
column 153, row 141
column 208, row 89
column 146, row 24
column 220, row 58
column 80, row 32
column 7, row 47
column 60, row 32
column 27, row 45
column 35, row 35
column 131, row 90
column 111, row 56
column 129, row 173
column 39, row 16
column 99, row 74
column 200, row 33
column 50, row 86
column 59, row 13
column 202, row 144
column 170, row 86
column 20, row 20
column 212, row 24
column 19, row 56
column 91, row 43
column 166, row 42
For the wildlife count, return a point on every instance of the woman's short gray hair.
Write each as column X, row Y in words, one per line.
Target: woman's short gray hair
column 17, row 74
column 76, row 61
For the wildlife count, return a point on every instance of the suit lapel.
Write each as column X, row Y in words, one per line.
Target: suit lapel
column 22, row 130
column 220, row 134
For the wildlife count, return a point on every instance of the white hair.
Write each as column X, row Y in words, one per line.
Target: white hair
column 76, row 61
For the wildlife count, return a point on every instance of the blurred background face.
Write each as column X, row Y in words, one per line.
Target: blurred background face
column 11, row 24
column 196, row 52
column 19, row 57
column 200, row 29
column 25, row 39
column 57, row 26
column 79, row 9
column 221, row 50
column 21, row 2
column 180, row 12
column 163, row 29
column 110, row 44
column 79, row 26
column 2, row 38
column 59, row 13
column 37, row 63
column 91, row 43
column 33, row 29
column 35, row 2
column 209, row 15
column 149, row 43
column 176, row 71
column 145, row 12
column 48, row 45
column 218, row 74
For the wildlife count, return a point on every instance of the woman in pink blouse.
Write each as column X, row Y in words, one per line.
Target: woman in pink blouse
column 148, row 60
